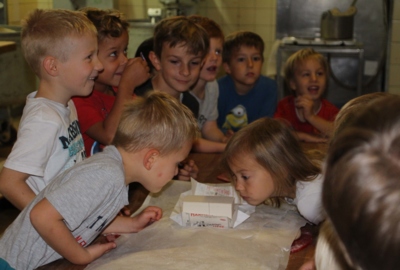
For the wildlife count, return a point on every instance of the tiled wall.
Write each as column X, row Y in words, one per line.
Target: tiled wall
column 254, row 15
column 231, row 15
column 19, row 9
column 394, row 67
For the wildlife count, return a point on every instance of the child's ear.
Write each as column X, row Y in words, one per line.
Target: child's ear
column 226, row 68
column 154, row 60
column 150, row 158
column 50, row 65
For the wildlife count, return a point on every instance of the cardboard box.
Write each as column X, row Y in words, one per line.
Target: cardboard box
column 208, row 211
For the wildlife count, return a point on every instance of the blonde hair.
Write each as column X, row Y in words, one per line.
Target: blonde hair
column 361, row 190
column 297, row 59
column 180, row 30
column 45, row 32
column 272, row 144
column 156, row 121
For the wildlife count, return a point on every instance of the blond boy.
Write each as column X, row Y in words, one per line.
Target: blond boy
column 154, row 135
column 61, row 48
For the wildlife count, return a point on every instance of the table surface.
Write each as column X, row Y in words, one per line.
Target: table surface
column 208, row 172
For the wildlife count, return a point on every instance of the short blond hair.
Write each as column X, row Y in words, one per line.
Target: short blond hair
column 156, row 121
column 298, row 58
column 44, row 33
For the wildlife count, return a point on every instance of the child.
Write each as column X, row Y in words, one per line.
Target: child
column 265, row 160
column 154, row 135
column 61, row 47
column 206, row 88
column 99, row 113
column 244, row 94
column 361, row 191
column 180, row 47
column 310, row 115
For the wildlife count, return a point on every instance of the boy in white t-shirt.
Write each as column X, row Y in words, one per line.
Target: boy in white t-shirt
column 61, row 48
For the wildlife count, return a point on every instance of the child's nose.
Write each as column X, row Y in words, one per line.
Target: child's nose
column 313, row 77
column 238, row 186
column 250, row 63
column 185, row 70
column 98, row 65
column 124, row 59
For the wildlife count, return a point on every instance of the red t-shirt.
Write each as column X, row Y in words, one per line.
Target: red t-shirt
column 91, row 110
column 286, row 110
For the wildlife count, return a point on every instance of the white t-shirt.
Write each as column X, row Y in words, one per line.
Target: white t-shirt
column 208, row 107
column 309, row 199
column 48, row 142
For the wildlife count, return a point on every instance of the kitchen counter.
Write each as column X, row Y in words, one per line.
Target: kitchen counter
column 7, row 46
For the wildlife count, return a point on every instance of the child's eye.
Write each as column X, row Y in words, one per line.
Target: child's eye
column 195, row 63
column 174, row 62
column 321, row 73
column 113, row 54
column 257, row 58
column 240, row 59
column 218, row 52
column 245, row 177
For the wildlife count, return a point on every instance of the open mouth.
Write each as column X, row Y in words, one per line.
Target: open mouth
column 313, row 89
column 212, row 69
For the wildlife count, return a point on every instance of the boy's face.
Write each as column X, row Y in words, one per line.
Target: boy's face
column 252, row 181
column 213, row 60
column 78, row 72
column 309, row 79
column 245, row 66
column 178, row 70
column 164, row 168
column 113, row 55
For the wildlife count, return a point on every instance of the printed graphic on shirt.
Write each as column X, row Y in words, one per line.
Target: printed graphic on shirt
column 236, row 119
column 74, row 144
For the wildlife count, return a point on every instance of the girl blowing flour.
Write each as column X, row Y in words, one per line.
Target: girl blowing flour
column 265, row 161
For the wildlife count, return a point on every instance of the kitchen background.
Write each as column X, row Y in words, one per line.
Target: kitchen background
column 259, row 16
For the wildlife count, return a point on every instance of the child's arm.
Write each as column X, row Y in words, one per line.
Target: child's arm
column 305, row 137
column 210, row 131
column 306, row 104
column 205, row 146
column 135, row 73
column 134, row 224
column 14, row 187
column 50, row 225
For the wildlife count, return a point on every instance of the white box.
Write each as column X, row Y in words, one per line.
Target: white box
column 208, row 211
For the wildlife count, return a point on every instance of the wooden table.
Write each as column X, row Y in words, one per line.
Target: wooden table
column 208, row 171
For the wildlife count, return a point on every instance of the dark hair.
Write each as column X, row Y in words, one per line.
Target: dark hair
column 108, row 22
column 179, row 30
column 234, row 41
column 212, row 28
column 361, row 191
column 144, row 49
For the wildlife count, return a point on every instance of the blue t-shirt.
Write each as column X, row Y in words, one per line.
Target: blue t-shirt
column 236, row 111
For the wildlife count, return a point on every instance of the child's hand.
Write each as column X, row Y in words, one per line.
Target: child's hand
column 147, row 217
column 187, row 170
column 306, row 105
column 136, row 72
column 228, row 134
column 99, row 249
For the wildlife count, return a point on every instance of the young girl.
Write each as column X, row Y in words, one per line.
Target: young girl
column 310, row 115
column 265, row 161
column 100, row 112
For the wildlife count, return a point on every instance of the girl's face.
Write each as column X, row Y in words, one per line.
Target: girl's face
column 113, row 56
column 252, row 181
column 213, row 61
column 309, row 79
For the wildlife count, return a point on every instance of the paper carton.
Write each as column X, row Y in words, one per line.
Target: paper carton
column 208, row 211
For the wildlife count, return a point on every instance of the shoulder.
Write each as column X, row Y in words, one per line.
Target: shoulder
column 225, row 81
column 309, row 199
column 45, row 110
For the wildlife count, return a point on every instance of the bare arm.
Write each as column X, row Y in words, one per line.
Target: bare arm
column 134, row 224
column 205, row 146
column 14, row 187
column 50, row 225
column 210, row 131
column 306, row 105
column 305, row 137
column 135, row 73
